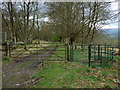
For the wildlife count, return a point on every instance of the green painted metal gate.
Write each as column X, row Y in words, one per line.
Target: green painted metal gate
column 93, row 55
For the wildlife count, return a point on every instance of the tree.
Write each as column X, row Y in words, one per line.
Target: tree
column 72, row 19
column 20, row 20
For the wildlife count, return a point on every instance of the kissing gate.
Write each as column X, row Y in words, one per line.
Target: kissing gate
column 93, row 55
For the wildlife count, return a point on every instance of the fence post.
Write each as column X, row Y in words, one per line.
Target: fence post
column 105, row 51
column 67, row 52
column 89, row 54
column 112, row 58
column 101, row 56
column 98, row 52
column 7, row 50
column 71, row 53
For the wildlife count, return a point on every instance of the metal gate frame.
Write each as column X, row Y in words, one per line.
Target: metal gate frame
column 8, row 50
column 96, row 53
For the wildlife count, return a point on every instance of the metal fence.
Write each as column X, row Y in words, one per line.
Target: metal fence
column 41, row 51
column 93, row 55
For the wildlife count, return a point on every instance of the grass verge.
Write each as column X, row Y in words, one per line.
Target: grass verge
column 76, row 75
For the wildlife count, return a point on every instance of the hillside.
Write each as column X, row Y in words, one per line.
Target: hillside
column 111, row 33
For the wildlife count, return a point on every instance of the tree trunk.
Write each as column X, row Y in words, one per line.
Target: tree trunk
column 71, row 40
column 10, row 9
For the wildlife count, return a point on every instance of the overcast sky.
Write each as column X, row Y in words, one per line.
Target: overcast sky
column 114, row 6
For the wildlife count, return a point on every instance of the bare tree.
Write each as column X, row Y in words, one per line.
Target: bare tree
column 72, row 20
column 21, row 20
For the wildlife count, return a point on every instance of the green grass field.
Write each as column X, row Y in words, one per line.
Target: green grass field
column 56, row 74
column 65, row 74
column 76, row 75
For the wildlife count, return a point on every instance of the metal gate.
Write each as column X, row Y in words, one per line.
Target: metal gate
column 93, row 55
column 42, row 51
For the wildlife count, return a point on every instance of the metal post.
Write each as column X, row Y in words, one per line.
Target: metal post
column 82, row 47
column 71, row 53
column 101, row 57
column 7, row 50
column 98, row 52
column 37, row 51
column 67, row 52
column 94, row 52
column 105, row 53
column 112, row 58
column 107, row 56
column 89, row 54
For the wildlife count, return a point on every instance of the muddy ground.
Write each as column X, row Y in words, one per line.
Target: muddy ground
column 20, row 72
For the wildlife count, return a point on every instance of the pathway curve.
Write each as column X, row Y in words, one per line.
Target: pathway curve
column 21, row 70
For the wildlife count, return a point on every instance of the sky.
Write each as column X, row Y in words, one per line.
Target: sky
column 114, row 6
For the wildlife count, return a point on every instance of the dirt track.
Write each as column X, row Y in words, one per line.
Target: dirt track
column 19, row 72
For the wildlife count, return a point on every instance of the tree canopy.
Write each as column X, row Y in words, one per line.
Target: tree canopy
column 77, row 21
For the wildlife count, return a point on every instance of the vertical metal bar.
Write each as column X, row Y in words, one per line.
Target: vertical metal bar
column 89, row 54
column 6, row 49
column 108, row 52
column 98, row 52
column 82, row 47
column 105, row 51
column 112, row 54
column 71, row 53
column 9, row 50
column 101, row 57
column 94, row 52
column 67, row 52
column 37, row 50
